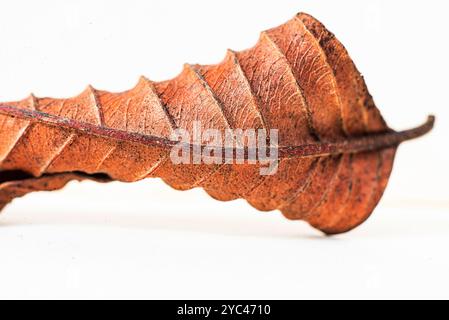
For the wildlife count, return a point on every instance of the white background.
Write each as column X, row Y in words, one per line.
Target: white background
column 145, row 240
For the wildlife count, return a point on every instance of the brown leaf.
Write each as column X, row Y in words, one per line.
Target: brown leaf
column 336, row 152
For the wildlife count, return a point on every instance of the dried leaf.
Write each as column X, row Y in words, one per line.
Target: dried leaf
column 336, row 152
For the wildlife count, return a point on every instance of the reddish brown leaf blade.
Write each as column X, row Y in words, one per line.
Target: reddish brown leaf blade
column 335, row 150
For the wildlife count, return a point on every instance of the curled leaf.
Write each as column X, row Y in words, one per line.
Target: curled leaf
column 335, row 151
